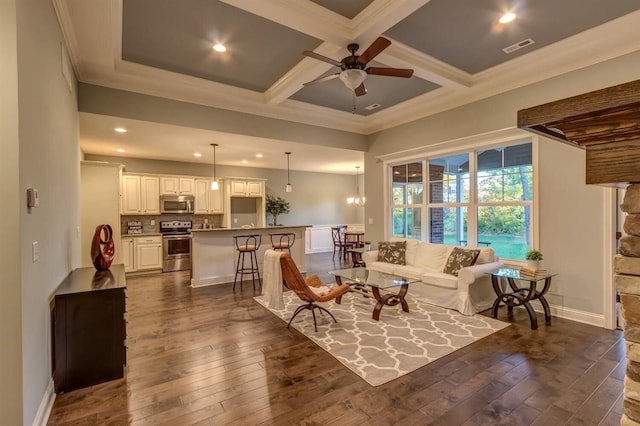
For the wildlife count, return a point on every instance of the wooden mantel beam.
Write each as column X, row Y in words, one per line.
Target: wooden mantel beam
column 605, row 122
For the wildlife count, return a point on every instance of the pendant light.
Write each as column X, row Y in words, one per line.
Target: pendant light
column 357, row 200
column 288, row 188
column 214, row 182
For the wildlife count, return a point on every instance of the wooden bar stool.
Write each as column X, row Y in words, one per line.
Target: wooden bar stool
column 247, row 244
column 282, row 241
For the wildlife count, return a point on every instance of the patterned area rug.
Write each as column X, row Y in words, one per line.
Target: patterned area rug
column 401, row 342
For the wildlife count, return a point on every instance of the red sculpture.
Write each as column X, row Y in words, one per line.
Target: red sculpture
column 102, row 248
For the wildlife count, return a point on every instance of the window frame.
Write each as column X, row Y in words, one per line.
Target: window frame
column 500, row 139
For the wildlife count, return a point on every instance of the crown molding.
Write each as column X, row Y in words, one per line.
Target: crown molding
column 100, row 63
column 306, row 17
column 610, row 40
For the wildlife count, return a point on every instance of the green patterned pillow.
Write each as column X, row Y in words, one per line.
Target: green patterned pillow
column 392, row 252
column 459, row 258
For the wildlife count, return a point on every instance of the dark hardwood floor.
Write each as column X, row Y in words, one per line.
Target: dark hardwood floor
column 208, row 356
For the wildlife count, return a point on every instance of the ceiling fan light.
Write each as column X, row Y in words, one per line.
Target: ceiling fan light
column 353, row 78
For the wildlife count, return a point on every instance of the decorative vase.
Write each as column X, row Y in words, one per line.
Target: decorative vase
column 102, row 247
column 535, row 264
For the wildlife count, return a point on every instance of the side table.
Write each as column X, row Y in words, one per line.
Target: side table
column 521, row 296
column 356, row 256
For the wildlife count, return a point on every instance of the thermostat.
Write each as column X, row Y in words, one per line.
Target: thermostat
column 33, row 200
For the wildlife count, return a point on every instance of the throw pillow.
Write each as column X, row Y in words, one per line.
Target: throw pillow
column 459, row 258
column 392, row 252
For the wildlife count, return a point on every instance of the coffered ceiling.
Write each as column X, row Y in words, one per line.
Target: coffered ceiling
column 455, row 47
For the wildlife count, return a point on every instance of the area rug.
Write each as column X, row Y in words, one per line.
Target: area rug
column 401, row 342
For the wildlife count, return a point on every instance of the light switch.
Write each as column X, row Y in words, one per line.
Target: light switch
column 35, row 251
column 370, row 221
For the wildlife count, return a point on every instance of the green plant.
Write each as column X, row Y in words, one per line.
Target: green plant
column 533, row 255
column 367, row 242
column 276, row 206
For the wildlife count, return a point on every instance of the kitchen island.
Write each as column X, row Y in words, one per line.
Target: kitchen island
column 214, row 255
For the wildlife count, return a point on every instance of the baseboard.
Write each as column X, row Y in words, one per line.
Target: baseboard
column 572, row 314
column 42, row 416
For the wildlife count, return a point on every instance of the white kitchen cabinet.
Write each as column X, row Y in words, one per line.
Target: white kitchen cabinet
column 208, row 201
column 247, row 188
column 148, row 253
column 174, row 185
column 127, row 254
column 140, row 194
column 150, row 195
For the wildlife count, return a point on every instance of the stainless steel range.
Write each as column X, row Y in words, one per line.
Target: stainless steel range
column 176, row 245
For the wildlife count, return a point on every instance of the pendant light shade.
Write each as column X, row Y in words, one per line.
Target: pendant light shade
column 214, row 182
column 356, row 200
column 288, row 188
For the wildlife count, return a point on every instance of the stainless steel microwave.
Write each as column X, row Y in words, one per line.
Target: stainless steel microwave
column 173, row 204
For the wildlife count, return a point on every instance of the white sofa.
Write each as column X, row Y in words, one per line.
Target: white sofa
column 468, row 293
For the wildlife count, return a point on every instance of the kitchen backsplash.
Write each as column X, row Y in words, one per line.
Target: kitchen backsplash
column 151, row 224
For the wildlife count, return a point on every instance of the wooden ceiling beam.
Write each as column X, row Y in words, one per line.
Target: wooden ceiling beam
column 605, row 122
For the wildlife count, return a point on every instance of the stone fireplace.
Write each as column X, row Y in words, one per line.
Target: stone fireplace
column 606, row 124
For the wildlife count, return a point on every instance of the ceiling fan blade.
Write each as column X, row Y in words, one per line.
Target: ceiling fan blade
column 372, row 51
column 360, row 90
column 320, row 57
column 391, row 72
column 319, row 79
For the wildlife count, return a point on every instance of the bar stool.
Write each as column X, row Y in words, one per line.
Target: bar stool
column 282, row 241
column 247, row 244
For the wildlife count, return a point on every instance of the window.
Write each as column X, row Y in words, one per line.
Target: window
column 479, row 198
column 407, row 189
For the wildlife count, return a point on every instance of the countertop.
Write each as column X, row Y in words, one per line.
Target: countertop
column 269, row 228
column 146, row 234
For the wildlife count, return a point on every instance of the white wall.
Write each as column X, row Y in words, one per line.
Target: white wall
column 99, row 204
column 10, row 291
column 572, row 245
column 49, row 161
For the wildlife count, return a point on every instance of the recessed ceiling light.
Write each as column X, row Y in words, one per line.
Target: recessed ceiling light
column 120, row 150
column 218, row 47
column 507, row 17
column 259, row 155
column 197, row 154
column 244, row 161
column 120, row 130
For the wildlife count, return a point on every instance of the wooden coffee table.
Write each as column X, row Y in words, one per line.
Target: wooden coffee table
column 373, row 283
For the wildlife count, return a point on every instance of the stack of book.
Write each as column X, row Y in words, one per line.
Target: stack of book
column 526, row 272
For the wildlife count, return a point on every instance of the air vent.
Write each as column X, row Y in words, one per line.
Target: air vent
column 519, row 45
column 372, row 107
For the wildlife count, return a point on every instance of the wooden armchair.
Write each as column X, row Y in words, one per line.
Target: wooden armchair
column 301, row 287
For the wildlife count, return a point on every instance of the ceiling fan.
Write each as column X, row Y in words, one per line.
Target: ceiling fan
column 353, row 69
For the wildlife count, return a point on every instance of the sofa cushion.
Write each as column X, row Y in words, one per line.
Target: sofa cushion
column 409, row 271
column 431, row 256
column 487, row 255
column 392, row 252
column 440, row 279
column 410, row 254
column 382, row 267
column 459, row 258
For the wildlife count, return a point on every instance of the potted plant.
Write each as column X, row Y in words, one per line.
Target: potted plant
column 276, row 206
column 367, row 245
column 534, row 257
